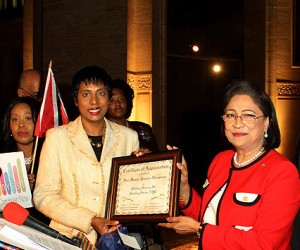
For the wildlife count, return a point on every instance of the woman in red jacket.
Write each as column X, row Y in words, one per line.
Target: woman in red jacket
column 252, row 193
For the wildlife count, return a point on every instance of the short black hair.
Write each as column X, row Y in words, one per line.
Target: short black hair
column 128, row 92
column 91, row 75
column 265, row 104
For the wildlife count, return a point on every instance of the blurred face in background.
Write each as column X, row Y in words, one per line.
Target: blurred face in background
column 117, row 105
column 30, row 85
column 21, row 124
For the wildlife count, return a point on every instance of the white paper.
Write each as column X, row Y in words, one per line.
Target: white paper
column 144, row 188
column 14, row 184
column 30, row 239
column 15, row 238
column 129, row 240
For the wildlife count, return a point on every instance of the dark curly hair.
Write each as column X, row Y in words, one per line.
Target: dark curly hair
column 128, row 92
column 8, row 143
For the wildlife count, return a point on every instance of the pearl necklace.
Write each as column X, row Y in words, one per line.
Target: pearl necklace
column 28, row 160
column 249, row 160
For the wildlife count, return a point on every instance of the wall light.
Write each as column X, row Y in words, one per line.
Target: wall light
column 195, row 48
column 217, row 68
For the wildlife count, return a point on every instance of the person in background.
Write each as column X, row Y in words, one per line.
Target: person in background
column 252, row 192
column 17, row 134
column 119, row 110
column 75, row 161
column 31, row 83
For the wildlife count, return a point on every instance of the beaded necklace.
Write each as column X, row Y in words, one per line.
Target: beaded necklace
column 28, row 160
column 249, row 160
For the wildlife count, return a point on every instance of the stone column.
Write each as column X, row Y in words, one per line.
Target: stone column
column 146, row 63
column 139, row 58
column 282, row 77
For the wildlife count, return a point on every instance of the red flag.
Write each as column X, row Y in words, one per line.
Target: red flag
column 49, row 113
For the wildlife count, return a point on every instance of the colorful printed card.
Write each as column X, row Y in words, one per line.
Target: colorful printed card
column 14, row 181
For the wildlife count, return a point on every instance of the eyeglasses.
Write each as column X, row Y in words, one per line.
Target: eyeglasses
column 246, row 118
column 34, row 95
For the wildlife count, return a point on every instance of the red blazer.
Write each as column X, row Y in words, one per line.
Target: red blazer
column 262, row 198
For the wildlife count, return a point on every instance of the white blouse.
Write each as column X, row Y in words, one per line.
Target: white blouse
column 210, row 214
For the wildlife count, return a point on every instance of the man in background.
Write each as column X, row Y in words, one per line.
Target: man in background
column 31, row 83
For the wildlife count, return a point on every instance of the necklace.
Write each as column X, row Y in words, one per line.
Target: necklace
column 28, row 160
column 97, row 141
column 249, row 160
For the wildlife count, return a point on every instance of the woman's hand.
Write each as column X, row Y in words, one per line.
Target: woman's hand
column 181, row 224
column 141, row 151
column 103, row 226
column 31, row 178
column 184, row 180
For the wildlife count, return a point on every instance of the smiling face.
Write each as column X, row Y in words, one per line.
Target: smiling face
column 92, row 101
column 245, row 136
column 21, row 124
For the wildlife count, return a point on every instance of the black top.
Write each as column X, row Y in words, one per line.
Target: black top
column 97, row 145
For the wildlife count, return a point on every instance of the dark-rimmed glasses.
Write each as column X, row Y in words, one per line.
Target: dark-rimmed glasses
column 36, row 96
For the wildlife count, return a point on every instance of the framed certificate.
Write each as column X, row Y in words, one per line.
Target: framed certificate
column 144, row 189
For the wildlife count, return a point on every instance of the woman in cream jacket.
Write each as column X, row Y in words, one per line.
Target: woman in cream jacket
column 75, row 161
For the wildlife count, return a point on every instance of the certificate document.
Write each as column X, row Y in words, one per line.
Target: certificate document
column 145, row 188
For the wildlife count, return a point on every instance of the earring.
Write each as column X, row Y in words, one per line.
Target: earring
column 266, row 134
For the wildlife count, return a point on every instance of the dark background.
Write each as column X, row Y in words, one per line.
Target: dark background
column 194, row 91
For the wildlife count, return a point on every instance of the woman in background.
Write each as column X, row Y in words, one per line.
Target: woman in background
column 119, row 110
column 17, row 132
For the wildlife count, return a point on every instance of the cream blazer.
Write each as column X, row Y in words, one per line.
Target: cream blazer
column 71, row 185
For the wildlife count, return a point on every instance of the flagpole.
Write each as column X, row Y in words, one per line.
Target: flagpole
column 34, row 154
column 37, row 137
